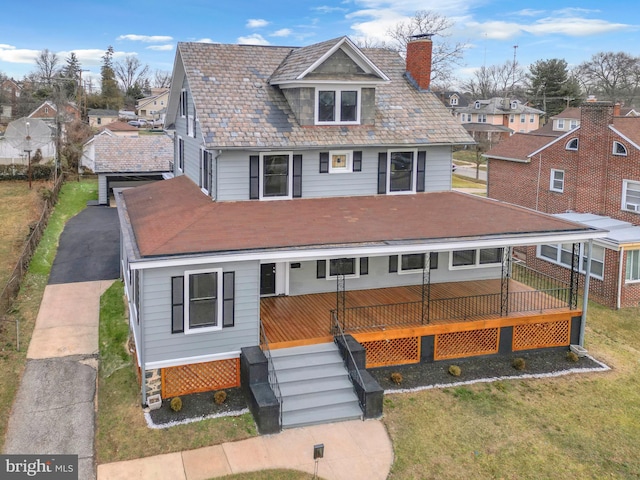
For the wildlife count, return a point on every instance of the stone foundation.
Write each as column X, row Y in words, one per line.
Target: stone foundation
column 153, row 381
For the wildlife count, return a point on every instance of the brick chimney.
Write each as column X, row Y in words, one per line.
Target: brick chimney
column 419, row 51
column 616, row 109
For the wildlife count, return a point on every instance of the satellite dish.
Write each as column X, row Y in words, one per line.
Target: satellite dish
column 27, row 135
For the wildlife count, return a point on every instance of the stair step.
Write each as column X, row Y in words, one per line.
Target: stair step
column 332, row 413
column 309, row 359
column 314, row 385
column 317, row 347
column 319, row 399
column 310, row 373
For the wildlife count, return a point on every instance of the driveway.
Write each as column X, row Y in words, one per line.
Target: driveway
column 89, row 248
column 54, row 410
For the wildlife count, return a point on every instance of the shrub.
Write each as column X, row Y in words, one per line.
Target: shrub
column 176, row 404
column 396, row 377
column 219, row 397
column 519, row 363
column 572, row 356
column 455, row 370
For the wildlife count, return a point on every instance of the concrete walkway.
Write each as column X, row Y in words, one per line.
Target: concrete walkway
column 352, row 450
column 54, row 410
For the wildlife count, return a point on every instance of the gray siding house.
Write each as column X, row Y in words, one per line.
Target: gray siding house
column 312, row 203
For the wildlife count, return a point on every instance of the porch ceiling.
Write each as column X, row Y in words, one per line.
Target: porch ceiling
column 174, row 217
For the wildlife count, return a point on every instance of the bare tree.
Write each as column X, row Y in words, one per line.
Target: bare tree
column 614, row 76
column 161, row 79
column 445, row 54
column 495, row 81
column 130, row 72
column 47, row 66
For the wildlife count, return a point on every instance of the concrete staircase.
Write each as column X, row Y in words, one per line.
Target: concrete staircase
column 315, row 386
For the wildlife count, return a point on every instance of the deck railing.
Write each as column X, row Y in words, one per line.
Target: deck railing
column 549, row 294
column 272, row 376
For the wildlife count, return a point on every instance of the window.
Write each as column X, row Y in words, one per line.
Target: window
column 482, row 118
column 412, row 262
column 633, row 266
column 512, row 118
column 206, row 164
column 180, row 154
column 532, row 118
column 477, row 105
column 340, row 162
column 275, row 175
column 631, row 196
column 453, row 100
column 561, row 123
column 556, row 182
column 206, row 305
column 191, row 125
column 337, row 106
column 619, row 149
column 523, row 118
column 572, row 144
column 476, row 257
column 514, row 105
column 573, row 124
column 562, row 254
column 99, row 121
column 46, row 110
column 402, row 171
column 349, row 267
column 182, row 108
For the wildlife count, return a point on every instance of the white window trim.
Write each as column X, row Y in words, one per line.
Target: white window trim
column 328, row 275
column 482, row 118
column 624, row 204
column 338, row 91
column 348, row 167
column 629, row 252
column 523, row 118
column 180, row 140
column 614, row 149
column 414, row 171
column 187, row 327
column 567, row 147
column 477, row 264
column 561, row 123
column 580, row 259
column 289, row 195
column 183, row 107
column 409, row 271
column 203, row 181
column 552, row 180
column 573, row 124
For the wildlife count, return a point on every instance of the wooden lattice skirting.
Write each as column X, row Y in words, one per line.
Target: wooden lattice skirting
column 466, row 344
column 200, row 377
column 397, row 351
column 541, row 335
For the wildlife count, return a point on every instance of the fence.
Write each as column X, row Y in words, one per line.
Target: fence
column 9, row 292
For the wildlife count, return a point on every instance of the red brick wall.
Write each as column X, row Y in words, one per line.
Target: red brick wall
column 419, row 61
column 630, row 295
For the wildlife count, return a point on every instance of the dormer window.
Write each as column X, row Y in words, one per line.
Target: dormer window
column 561, row 124
column 619, row 149
column 572, row 144
column 337, row 106
column 477, row 105
column 453, row 101
column 514, row 105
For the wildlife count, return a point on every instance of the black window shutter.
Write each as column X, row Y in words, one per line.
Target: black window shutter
column 393, row 264
column 433, row 261
column 254, row 177
column 228, row 295
column 324, row 162
column 382, row 172
column 177, row 304
column 321, row 269
column 364, row 265
column 297, row 176
column 422, row 160
column 357, row 161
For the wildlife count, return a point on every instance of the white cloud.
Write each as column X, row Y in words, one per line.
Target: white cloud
column 146, row 38
column 160, row 48
column 529, row 12
column 283, row 32
column 253, row 39
column 256, row 23
column 11, row 54
column 205, row 40
column 327, row 9
column 92, row 57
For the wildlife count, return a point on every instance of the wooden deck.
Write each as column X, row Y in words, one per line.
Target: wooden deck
column 305, row 319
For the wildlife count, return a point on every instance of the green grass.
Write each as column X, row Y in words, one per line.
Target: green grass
column 122, row 433
column 468, row 156
column 72, row 200
column 459, row 181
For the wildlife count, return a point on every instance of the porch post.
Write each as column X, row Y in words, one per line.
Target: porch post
column 426, row 288
column 585, row 297
column 504, row 281
column 573, row 282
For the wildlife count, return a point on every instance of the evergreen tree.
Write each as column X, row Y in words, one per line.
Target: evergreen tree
column 550, row 87
column 111, row 95
column 71, row 71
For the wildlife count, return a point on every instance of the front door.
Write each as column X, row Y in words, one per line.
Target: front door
column 268, row 279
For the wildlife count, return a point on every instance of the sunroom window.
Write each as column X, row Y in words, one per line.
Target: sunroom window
column 481, row 257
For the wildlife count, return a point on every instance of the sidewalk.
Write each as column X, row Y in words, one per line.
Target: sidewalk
column 352, row 450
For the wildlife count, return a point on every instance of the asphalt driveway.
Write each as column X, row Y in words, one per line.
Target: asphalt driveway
column 89, row 248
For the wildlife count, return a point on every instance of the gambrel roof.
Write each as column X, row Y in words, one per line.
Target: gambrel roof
column 238, row 107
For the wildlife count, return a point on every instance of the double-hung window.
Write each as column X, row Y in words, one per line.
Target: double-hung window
column 276, row 178
column 482, row 118
column 556, row 181
column 523, row 118
column 402, row 172
column 561, row 124
column 631, row 196
column 633, row 266
column 337, row 106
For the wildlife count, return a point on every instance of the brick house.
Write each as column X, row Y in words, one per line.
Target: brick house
column 594, row 169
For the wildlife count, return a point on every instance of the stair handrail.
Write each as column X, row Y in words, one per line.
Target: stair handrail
column 339, row 332
column 272, row 376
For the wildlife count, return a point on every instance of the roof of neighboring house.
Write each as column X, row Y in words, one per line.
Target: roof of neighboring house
column 238, row 107
column 486, row 127
column 148, row 153
column 146, row 100
column 95, row 112
column 163, row 226
column 496, row 106
column 519, row 146
column 119, row 127
column 620, row 232
column 446, row 99
column 629, row 127
column 547, row 129
column 572, row 113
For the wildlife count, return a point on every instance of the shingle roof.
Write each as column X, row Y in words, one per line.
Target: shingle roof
column 629, row 127
column 519, row 146
column 300, row 59
column 238, row 108
column 163, row 226
column 148, row 153
column 495, row 106
column 119, row 127
column 570, row 112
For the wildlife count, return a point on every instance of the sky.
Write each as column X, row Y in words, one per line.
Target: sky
column 571, row 30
